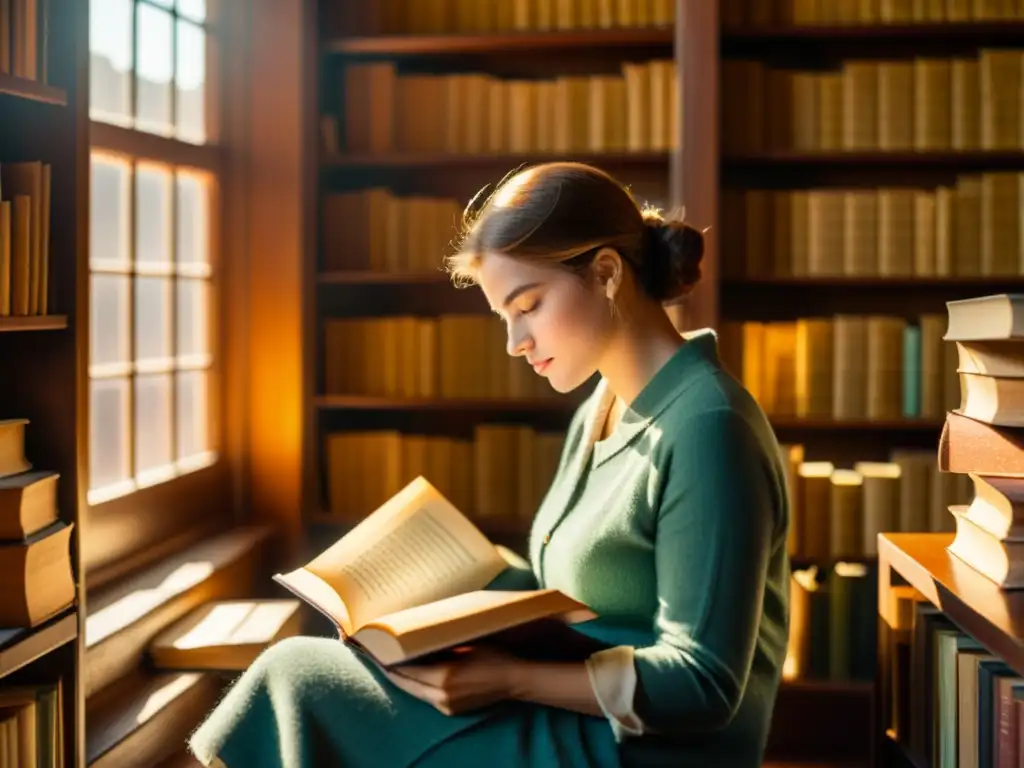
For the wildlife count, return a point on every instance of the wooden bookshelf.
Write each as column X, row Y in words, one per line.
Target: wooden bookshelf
column 496, row 163
column 367, row 277
column 355, row 292
column 504, row 43
column 958, row 162
column 959, row 33
column 20, row 647
column 32, row 90
column 994, row 617
column 48, row 121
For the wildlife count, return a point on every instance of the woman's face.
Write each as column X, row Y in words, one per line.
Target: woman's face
column 558, row 321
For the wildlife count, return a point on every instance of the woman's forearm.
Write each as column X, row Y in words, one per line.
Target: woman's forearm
column 555, row 684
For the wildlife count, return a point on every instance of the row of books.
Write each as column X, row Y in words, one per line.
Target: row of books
column 837, row 512
column 22, row 40
column 378, row 230
column 847, row 367
column 24, row 238
column 469, row 16
column 499, row 475
column 32, row 726
column 924, row 103
column 850, row 12
column 450, row 356
column 35, row 544
column 952, row 702
column 971, row 228
column 474, row 113
column 833, row 623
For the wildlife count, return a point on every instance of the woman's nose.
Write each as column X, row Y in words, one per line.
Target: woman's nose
column 519, row 343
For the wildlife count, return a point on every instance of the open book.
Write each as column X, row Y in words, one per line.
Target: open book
column 408, row 581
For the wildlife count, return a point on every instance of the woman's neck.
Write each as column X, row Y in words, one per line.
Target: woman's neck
column 638, row 351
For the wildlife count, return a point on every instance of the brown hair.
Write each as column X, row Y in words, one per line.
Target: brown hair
column 564, row 213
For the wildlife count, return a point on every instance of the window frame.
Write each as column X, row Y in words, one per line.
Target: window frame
column 130, row 530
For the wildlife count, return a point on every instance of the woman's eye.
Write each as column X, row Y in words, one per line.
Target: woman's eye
column 531, row 308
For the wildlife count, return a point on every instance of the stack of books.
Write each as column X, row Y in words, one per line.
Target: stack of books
column 36, row 578
column 984, row 437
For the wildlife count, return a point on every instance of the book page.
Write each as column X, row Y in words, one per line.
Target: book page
column 415, row 549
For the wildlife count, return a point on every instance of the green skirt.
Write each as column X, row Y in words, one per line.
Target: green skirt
column 309, row 702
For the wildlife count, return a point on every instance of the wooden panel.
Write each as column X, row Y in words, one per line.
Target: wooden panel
column 694, row 169
column 280, row 215
column 138, row 144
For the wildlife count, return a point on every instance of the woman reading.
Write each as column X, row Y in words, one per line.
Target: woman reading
column 667, row 516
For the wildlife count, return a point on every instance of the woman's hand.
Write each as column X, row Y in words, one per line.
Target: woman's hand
column 476, row 677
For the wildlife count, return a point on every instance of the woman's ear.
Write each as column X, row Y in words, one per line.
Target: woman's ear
column 607, row 270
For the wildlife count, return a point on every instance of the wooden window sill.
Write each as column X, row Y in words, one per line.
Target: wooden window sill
column 124, row 616
column 146, row 718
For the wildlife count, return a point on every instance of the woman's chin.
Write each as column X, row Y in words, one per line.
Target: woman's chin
column 564, row 384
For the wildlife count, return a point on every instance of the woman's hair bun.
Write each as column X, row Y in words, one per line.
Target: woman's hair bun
column 671, row 258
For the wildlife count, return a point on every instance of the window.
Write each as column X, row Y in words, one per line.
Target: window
column 154, row 180
column 148, row 62
column 150, row 333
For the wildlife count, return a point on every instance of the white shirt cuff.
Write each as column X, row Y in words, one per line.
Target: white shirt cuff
column 613, row 679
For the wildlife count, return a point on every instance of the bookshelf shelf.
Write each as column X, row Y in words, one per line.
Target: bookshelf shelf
column 977, row 33
column 368, row 277
column 489, row 405
column 502, row 43
column 784, row 298
column 860, row 425
column 21, row 647
column 901, row 283
column 978, row 606
column 441, row 161
column 953, row 161
column 34, row 323
column 33, row 91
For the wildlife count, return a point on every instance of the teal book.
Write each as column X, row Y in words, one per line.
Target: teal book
column 911, row 371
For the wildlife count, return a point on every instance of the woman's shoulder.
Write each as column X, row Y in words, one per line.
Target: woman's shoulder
column 716, row 403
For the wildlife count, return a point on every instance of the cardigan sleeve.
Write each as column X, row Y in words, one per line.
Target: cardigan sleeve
column 612, row 676
column 715, row 525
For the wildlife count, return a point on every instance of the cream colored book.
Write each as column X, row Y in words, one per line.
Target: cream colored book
column 409, row 581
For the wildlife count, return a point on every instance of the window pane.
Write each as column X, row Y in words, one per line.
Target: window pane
column 152, row 422
column 110, row 60
column 154, row 69
column 191, row 83
column 109, row 320
column 110, row 214
column 152, row 215
column 192, row 414
column 192, row 316
column 194, row 9
column 108, row 432
column 152, row 318
column 168, row 4
column 193, row 238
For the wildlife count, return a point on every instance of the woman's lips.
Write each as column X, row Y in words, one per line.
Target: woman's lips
column 541, row 366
